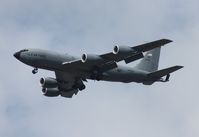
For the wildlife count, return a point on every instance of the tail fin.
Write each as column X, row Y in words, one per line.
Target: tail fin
column 150, row 61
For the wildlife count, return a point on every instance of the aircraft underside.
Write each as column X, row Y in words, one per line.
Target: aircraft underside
column 72, row 72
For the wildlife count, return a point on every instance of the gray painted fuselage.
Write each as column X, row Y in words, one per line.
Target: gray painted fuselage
column 52, row 61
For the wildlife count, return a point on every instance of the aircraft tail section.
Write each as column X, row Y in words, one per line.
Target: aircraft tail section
column 157, row 75
column 164, row 72
column 150, row 61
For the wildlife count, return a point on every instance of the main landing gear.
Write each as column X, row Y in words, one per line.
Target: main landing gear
column 96, row 75
column 81, row 87
column 35, row 70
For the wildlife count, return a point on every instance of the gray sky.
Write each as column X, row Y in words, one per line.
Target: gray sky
column 104, row 109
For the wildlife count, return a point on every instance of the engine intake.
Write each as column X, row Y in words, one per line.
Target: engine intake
column 48, row 82
column 91, row 58
column 51, row 92
column 122, row 50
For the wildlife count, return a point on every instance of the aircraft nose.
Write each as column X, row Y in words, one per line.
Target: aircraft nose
column 17, row 55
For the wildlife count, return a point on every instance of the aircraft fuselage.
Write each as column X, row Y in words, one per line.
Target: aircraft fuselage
column 52, row 61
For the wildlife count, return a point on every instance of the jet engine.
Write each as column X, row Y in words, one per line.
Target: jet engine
column 122, row 50
column 51, row 92
column 48, row 82
column 91, row 58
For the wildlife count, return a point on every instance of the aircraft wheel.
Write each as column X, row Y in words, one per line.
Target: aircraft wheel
column 34, row 71
column 82, row 87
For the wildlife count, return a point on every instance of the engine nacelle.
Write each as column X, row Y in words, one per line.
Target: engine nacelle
column 122, row 50
column 48, row 82
column 51, row 92
column 91, row 58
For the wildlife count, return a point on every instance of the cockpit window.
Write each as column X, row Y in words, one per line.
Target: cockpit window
column 24, row 50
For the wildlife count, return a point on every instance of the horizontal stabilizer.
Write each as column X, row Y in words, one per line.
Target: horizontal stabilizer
column 164, row 72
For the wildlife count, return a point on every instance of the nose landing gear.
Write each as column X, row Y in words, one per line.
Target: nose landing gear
column 35, row 70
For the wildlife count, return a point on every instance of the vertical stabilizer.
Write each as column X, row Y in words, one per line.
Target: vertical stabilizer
column 150, row 61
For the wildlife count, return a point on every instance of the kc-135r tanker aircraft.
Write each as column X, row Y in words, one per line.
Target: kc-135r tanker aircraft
column 71, row 72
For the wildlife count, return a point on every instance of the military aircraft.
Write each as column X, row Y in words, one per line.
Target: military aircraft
column 71, row 71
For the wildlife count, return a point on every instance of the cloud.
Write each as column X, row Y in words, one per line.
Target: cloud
column 103, row 109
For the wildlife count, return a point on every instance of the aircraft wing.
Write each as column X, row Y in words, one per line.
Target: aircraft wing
column 67, row 84
column 139, row 49
column 108, row 61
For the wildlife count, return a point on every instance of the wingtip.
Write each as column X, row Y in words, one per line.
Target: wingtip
column 179, row 67
column 166, row 41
